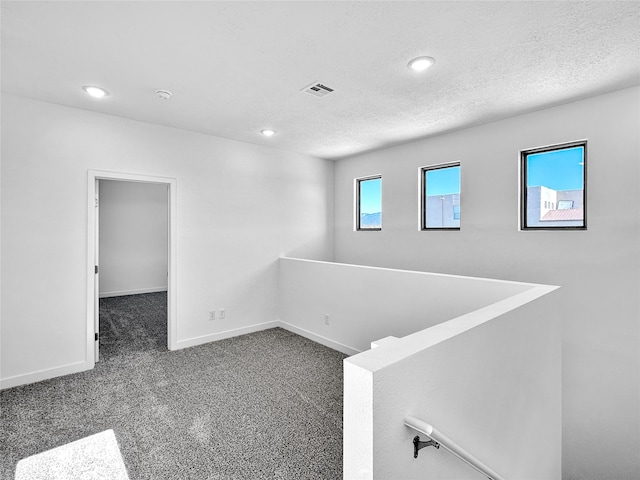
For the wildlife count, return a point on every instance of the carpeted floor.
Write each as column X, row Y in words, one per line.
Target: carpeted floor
column 267, row 405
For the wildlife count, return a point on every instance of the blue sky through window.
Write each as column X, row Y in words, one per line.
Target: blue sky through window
column 443, row 181
column 371, row 195
column 558, row 170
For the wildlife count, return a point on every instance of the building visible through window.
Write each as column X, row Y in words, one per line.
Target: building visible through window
column 553, row 190
column 441, row 197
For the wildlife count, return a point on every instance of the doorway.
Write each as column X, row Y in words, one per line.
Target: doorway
column 126, row 183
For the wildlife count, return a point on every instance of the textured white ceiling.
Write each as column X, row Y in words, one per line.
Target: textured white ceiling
column 237, row 67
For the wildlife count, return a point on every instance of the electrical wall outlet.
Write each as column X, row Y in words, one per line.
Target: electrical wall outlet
column 222, row 314
column 326, row 319
column 212, row 315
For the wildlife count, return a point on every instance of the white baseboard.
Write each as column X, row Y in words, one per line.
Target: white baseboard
column 192, row 342
column 136, row 291
column 319, row 338
column 45, row 374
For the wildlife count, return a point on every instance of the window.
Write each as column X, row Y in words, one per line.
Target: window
column 553, row 187
column 440, row 197
column 369, row 203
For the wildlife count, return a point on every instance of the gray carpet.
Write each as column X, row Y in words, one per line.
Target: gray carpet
column 267, row 405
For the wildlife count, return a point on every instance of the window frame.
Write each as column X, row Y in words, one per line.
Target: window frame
column 423, row 195
column 523, row 185
column 358, row 181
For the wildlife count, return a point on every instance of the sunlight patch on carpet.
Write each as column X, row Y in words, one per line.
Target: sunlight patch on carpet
column 96, row 457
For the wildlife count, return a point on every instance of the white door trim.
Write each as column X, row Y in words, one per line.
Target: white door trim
column 96, row 277
column 93, row 177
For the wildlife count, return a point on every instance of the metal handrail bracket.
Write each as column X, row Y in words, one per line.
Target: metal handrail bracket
column 439, row 439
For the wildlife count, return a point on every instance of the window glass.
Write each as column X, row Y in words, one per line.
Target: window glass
column 554, row 187
column 369, row 203
column 441, row 197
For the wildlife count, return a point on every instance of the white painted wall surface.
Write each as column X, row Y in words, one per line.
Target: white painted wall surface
column 494, row 389
column 365, row 304
column 133, row 237
column 239, row 208
column 357, row 420
column 598, row 269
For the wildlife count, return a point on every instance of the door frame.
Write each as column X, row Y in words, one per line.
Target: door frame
column 93, row 245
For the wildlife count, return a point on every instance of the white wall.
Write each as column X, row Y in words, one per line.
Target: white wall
column 133, row 237
column 367, row 303
column 598, row 269
column 239, row 207
column 494, row 389
column 484, row 366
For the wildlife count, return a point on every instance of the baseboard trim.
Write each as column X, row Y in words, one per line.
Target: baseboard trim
column 319, row 339
column 45, row 374
column 49, row 373
column 136, row 291
column 213, row 337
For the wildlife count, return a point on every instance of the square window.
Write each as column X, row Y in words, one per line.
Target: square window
column 554, row 187
column 369, row 203
column 440, row 197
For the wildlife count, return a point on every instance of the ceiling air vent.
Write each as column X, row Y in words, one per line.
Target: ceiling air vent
column 318, row 90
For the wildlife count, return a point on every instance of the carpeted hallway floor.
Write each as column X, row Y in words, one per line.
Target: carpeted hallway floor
column 267, row 405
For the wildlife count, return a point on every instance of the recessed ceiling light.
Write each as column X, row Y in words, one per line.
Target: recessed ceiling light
column 420, row 64
column 268, row 133
column 95, row 92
